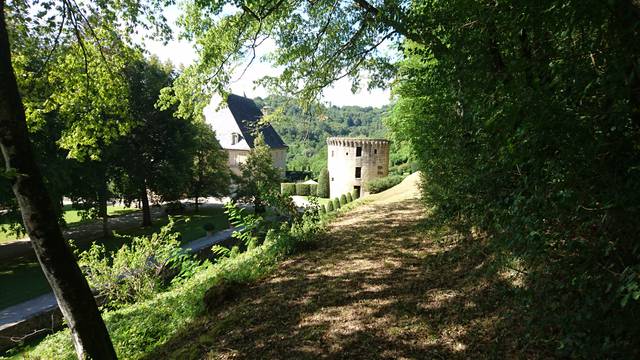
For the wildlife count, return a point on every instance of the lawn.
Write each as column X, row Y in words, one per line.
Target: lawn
column 26, row 281
column 71, row 216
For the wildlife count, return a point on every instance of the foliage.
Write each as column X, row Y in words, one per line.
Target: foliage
column 323, row 184
column 524, row 122
column 355, row 194
column 381, row 184
column 134, row 272
column 343, row 200
column 330, row 207
column 303, row 189
column 313, row 189
column 288, row 189
column 349, row 198
column 336, row 203
column 323, row 209
column 259, row 176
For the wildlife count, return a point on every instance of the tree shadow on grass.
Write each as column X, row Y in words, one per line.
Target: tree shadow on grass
column 376, row 287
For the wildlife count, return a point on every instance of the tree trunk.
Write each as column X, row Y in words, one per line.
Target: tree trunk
column 89, row 334
column 197, row 205
column 146, row 210
column 103, row 196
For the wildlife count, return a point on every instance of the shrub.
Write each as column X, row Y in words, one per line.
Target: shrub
column 336, row 203
column 288, row 189
column 313, row 189
column 302, row 189
column 174, row 208
column 330, row 207
column 349, row 198
column 323, row 184
column 356, row 194
column 343, row 200
column 381, row 184
column 323, row 209
column 137, row 270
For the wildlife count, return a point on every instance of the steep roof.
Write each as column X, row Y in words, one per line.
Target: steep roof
column 247, row 116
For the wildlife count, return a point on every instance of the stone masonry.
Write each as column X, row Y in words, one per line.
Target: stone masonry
column 354, row 161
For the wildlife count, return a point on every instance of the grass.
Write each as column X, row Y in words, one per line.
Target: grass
column 138, row 329
column 26, row 281
column 71, row 216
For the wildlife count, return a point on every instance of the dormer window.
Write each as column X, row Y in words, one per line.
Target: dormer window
column 235, row 138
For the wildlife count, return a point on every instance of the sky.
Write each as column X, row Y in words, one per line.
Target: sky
column 181, row 52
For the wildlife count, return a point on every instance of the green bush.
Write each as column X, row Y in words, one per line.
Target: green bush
column 323, row 184
column 343, row 200
column 330, row 207
column 323, row 209
column 302, row 189
column 288, row 189
column 355, row 193
column 138, row 269
column 349, row 198
column 336, row 203
column 381, row 184
column 313, row 189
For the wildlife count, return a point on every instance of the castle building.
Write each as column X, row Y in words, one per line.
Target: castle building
column 235, row 125
column 354, row 161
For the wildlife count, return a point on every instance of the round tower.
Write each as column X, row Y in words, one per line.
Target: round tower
column 354, row 161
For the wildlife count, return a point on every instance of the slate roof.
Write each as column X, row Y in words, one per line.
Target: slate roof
column 247, row 115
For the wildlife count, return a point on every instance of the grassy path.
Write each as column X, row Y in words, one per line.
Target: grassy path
column 375, row 287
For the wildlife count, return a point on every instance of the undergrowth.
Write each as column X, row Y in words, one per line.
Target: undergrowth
column 139, row 328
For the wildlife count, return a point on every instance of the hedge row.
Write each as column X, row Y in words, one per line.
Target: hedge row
column 301, row 189
column 338, row 202
column 381, row 184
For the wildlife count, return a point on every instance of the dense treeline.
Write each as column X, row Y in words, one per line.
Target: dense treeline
column 525, row 119
column 306, row 132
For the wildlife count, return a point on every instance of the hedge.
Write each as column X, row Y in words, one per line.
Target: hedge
column 313, row 189
column 323, row 209
column 288, row 189
column 356, row 194
column 302, row 189
column 381, row 184
column 349, row 198
column 336, row 203
column 330, row 206
column 343, row 200
column 323, row 184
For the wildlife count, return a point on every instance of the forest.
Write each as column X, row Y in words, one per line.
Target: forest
column 522, row 117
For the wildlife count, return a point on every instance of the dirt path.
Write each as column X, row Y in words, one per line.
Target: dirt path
column 376, row 287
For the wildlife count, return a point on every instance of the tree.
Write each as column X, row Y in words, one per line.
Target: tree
column 45, row 27
column 90, row 336
column 258, row 175
column 209, row 173
column 323, row 184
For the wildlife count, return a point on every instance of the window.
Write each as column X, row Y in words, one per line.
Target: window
column 331, row 153
column 358, row 172
column 375, row 151
column 358, row 151
column 347, row 153
column 331, row 179
column 235, row 138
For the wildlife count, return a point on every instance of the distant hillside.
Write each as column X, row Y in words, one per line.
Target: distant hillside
column 306, row 133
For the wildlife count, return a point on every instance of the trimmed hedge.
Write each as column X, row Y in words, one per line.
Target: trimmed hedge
column 323, row 184
column 355, row 193
column 343, row 200
column 313, row 189
column 330, row 206
column 336, row 203
column 381, row 184
column 349, row 198
column 287, row 189
column 323, row 210
column 302, row 189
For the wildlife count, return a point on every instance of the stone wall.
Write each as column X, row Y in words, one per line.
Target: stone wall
column 346, row 155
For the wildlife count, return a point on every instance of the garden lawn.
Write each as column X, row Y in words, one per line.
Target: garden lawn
column 71, row 216
column 25, row 280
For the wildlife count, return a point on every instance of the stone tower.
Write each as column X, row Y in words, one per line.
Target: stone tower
column 354, row 161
